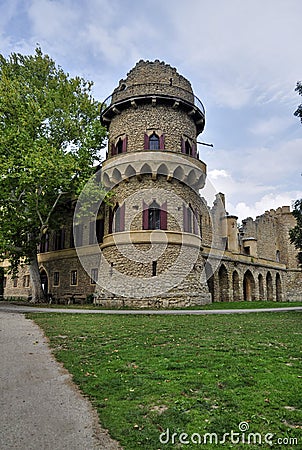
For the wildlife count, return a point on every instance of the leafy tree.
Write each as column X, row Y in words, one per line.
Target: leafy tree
column 298, row 112
column 295, row 233
column 50, row 138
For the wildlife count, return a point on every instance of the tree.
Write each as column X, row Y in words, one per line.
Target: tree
column 50, row 139
column 298, row 112
column 295, row 233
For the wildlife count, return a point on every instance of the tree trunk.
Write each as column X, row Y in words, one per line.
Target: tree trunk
column 38, row 295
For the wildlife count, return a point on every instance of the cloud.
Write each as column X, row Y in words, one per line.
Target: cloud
column 267, row 202
column 271, row 126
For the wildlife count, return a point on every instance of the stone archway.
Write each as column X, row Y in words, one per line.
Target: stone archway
column 44, row 281
column 210, row 280
column 269, row 287
column 236, row 289
column 223, row 284
column 248, row 287
column 261, row 287
column 278, row 288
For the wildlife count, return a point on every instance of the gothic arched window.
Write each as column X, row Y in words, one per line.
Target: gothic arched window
column 154, row 142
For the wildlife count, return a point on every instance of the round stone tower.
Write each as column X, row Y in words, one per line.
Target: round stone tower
column 151, row 251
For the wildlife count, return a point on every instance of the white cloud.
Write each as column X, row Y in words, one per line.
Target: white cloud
column 271, row 126
column 265, row 203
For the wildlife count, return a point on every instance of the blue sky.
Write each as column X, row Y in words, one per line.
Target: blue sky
column 243, row 59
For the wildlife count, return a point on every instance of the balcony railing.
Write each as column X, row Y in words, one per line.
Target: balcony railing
column 148, row 89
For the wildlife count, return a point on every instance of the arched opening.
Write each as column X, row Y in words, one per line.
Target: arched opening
column 154, row 142
column 44, row 281
column 278, row 288
column 188, row 148
column 210, row 280
column 248, row 287
column 235, row 283
column 119, row 146
column 223, row 284
column 269, row 287
column 154, row 216
column 261, row 287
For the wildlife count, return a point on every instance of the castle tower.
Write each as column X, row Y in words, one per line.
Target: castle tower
column 151, row 251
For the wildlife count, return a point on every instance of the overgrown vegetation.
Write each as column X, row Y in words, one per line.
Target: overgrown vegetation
column 193, row 374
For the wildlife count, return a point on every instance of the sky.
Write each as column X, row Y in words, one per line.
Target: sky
column 242, row 57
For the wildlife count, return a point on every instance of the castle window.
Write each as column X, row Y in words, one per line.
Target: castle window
column 59, row 239
column 154, row 141
column 190, row 224
column 188, row 147
column 76, row 237
column 120, row 146
column 278, row 255
column 56, row 278
column 154, row 268
column 94, row 276
column 117, row 218
column 155, row 216
column 26, row 281
column 44, row 244
column 74, row 278
column 15, row 281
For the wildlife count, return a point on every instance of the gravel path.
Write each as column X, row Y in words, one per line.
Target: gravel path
column 40, row 407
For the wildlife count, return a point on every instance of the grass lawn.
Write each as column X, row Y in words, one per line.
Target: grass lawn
column 189, row 374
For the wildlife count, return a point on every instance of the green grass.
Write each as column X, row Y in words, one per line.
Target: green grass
column 192, row 374
column 215, row 305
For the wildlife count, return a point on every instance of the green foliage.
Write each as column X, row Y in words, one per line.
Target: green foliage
column 298, row 112
column 50, row 137
column 192, row 374
column 295, row 234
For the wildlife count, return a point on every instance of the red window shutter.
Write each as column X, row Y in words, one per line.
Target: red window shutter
column 163, row 216
column 146, row 142
column 195, row 223
column 185, row 217
column 125, row 143
column 183, row 146
column 145, row 216
column 122, row 217
column 162, row 142
column 113, row 149
column 194, row 150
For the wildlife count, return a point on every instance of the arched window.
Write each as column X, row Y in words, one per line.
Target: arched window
column 154, row 216
column 119, row 146
column 188, row 148
column 154, row 142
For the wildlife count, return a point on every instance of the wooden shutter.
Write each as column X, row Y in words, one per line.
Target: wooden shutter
column 145, row 216
column 185, row 217
column 122, row 217
column 113, row 149
column 125, row 143
column 162, row 142
column 194, row 150
column 163, row 216
column 146, row 142
column 183, row 146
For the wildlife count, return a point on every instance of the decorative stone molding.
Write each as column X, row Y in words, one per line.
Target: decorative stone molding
column 186, row 169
